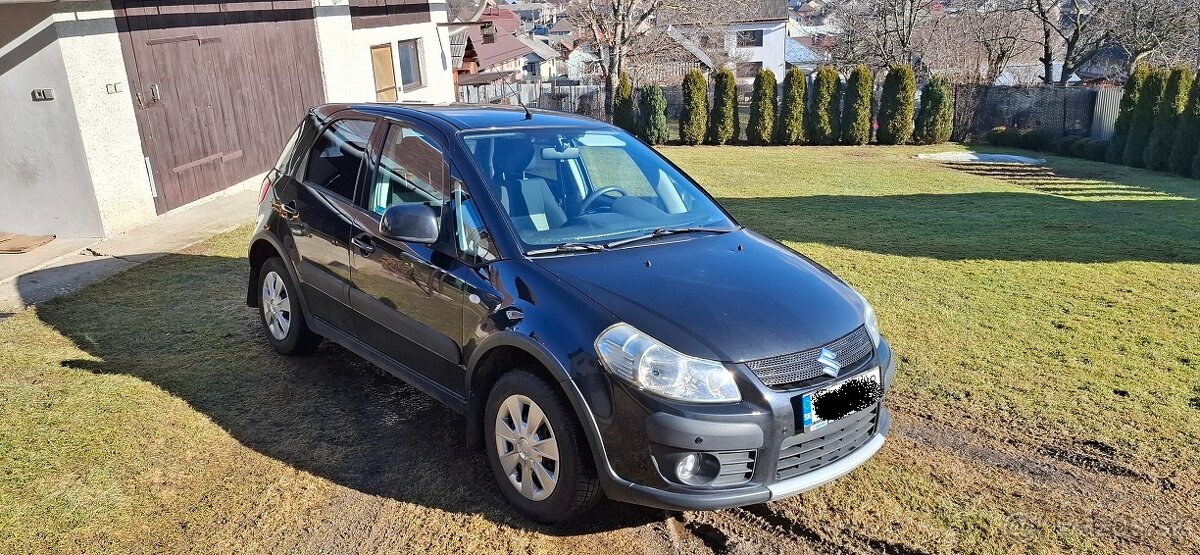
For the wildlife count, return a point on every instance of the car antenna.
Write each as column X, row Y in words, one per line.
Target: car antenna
column 521, row 103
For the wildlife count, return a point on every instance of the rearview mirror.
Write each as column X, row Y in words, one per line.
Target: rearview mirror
column 569, row 153
column 412, row 223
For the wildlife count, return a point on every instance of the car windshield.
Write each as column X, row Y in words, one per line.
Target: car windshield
column 587, row 189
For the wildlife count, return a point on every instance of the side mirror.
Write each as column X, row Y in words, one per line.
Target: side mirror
column 412, row 223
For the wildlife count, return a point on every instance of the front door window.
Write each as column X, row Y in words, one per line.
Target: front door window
column 412, row 169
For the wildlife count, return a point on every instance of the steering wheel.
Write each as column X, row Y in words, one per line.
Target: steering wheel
column 587, row 202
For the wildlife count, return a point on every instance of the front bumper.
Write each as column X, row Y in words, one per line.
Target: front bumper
column 629, row 492
column 766, row 435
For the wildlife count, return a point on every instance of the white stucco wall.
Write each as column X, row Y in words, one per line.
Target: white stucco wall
column 45, row 186
column 91, row 50
column 772, row 53
column 346, row 55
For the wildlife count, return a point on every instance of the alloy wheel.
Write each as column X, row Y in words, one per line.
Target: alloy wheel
column 527, row 447
column 276, row 306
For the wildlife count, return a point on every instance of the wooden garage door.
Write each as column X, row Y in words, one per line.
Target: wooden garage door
column 218, row 87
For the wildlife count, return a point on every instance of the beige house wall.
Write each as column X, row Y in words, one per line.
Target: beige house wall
column 91, row 50
column 346, row 55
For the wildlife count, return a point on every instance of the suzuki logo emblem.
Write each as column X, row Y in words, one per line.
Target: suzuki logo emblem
column 828, row 359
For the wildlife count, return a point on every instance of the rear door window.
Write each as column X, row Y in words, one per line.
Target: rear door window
column 337, row 156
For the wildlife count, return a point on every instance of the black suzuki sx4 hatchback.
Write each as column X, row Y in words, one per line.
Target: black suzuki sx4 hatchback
column 605, row 326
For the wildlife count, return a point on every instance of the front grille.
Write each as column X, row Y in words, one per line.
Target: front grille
column 809, row 451
column 852, row 350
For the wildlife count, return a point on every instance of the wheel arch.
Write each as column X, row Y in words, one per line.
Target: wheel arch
column 263, row 247
column 261, row 250
column 505, row 350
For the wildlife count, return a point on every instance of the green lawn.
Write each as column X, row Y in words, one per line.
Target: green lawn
column 1047, row 323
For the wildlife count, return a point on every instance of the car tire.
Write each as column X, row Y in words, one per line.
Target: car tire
column 516, row 453
column 280, row 312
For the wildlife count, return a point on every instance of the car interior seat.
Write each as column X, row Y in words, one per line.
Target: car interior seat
column 527, row 200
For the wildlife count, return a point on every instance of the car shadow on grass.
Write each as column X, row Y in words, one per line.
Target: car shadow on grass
column 986, row 225
column 181, row 323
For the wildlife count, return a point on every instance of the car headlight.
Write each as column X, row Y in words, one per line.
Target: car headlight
column 871, row 320
column 649, row 364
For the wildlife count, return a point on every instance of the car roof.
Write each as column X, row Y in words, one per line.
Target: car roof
column 463, row 117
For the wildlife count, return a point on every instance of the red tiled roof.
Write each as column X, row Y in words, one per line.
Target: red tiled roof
column 506, row 47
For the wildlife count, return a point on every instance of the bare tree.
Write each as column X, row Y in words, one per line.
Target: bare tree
column 1079, row 27
column 882, row 32
column 627, row 31
column 1005, row 34
column 615, row 27
column 1164, row 30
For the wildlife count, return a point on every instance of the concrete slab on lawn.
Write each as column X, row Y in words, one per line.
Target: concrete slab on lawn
column 65, row 265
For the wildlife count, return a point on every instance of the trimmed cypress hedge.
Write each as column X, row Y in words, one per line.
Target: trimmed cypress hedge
column 897, row 106
column 1187, row 135
column 789, row 126
column 737, row 115
column 652, row 108
column 762, row 109
column 623, row 115
column 935, row 123
column 1133, row 90
column 856, row 107
column 693, row 120
column 823, row 114
column 1170, row 106
column 1142, row 124
column 722, row 121
column 1196, row 165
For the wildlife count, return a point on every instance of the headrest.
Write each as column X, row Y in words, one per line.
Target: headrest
column 512, row 156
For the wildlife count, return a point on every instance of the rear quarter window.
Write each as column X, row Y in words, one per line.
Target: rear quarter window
column 297, row 145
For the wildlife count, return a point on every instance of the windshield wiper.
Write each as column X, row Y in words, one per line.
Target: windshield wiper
column 567, row 247
column 663, row 232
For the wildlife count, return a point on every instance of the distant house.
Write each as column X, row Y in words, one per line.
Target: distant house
column 499, row 60
column 1031, row 74
column 562, row 28
column 582, row 63
column 799, row 54
column 810, row 11
column 532, row 14
column 130, row 109
column 541, row 61
column 755, row 39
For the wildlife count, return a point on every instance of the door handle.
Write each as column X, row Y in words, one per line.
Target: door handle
column 289, row 210
column 363, row 244
column 291, row 216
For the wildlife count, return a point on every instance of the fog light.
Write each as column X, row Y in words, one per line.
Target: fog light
column 687, row 466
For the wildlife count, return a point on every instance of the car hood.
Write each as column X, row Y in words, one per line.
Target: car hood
column 732, row 297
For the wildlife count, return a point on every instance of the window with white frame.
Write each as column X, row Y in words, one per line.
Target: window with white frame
column 409, row 54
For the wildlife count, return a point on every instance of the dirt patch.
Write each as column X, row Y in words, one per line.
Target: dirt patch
column 1087, row 462
column 1080, row 185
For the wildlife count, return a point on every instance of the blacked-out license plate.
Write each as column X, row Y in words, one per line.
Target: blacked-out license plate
column 833, row 400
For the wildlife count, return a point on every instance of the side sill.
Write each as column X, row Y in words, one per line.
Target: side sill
column 408, row 375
